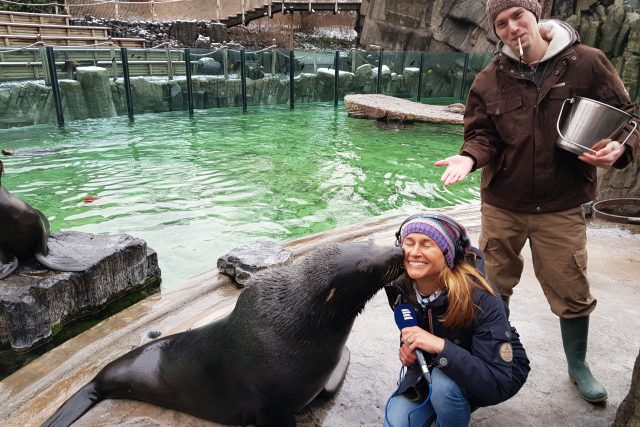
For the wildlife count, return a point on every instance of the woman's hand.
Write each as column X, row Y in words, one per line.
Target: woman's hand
column 415, row 337
column 606, row 153
column 407, row 356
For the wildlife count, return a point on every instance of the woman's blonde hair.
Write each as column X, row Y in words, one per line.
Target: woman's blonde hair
column 459, row 282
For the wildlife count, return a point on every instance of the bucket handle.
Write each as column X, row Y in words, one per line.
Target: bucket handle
column 635, row 126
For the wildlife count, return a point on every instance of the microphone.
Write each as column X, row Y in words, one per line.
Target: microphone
column 405, row 317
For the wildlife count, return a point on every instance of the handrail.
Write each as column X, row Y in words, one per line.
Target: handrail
column 55, row 5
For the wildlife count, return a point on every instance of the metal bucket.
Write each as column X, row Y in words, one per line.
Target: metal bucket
column 587, row 122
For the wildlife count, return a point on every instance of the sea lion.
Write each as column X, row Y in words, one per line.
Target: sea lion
column 24, row 234
column 263, row 362
column 24, row 230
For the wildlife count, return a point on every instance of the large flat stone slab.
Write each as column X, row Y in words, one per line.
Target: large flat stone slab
column 389, row 108
column 35, row 301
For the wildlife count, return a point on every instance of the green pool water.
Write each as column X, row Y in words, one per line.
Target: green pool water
column 196, row 188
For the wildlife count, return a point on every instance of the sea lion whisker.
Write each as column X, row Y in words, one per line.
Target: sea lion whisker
column 332, row 292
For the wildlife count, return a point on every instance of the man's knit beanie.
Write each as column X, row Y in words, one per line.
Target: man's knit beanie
column 494, row 7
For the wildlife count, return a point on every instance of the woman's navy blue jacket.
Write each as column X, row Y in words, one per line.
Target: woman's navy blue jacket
column 486, row 358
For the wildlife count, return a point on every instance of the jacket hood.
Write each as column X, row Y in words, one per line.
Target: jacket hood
column 563, row 36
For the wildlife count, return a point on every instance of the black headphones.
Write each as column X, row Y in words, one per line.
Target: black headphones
column 460, row 245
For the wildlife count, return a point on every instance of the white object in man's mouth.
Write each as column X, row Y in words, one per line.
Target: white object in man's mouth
column 520, row 46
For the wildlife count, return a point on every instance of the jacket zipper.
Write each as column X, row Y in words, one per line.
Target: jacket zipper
column 430, row 317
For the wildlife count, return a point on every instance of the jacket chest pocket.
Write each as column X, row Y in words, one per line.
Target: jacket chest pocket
column 508, row 116
column 504, row 106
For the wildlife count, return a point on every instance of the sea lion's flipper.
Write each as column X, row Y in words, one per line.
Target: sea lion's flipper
column 338, row 374
column 73, row 408
column 8, row 263
column 66, row 254
column 44, row 222
column 61, row 262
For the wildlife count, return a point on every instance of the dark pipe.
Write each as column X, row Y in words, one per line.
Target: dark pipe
column 57, row 100
column 335, row 80
column 243, row 80
column 464, row 76
column 127, row 82
column 291, row 88
column 187, row 64
column 379, row 84
column 420, row 77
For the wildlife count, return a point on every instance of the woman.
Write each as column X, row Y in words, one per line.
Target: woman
column 474, row 355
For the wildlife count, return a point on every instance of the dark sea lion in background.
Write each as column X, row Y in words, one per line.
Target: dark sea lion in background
column 24, row 232
column 263, row 362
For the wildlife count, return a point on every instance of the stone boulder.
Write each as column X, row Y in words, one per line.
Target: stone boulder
column 209, row 66
column 243, row 262
column 97, row 89
column 35, row 301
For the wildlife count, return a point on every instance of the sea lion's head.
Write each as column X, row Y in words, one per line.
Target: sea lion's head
column 358, row 271
column 328, row 287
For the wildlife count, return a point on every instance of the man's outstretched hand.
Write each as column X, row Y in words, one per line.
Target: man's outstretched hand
column 458, row 167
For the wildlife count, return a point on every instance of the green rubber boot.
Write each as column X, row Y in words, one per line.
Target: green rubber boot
column 574, row 341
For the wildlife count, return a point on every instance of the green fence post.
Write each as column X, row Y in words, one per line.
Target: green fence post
column 243, row 80
column 464, row 76
column 127, row 82
column 336, row 79
column 291, row 75
column 420, row 77
column 379, row 83
column 187, row 64
column 51, row 62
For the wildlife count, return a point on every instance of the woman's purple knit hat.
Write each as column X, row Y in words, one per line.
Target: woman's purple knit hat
column 442, row 233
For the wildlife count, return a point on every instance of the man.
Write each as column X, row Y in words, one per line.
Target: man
column 530, row 188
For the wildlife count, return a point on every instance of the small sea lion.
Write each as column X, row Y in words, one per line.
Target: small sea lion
column 24, row 230
column 267, row 359
column 24, row 234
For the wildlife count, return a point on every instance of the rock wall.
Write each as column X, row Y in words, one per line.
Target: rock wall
column 177, row 33
column 433, row 26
